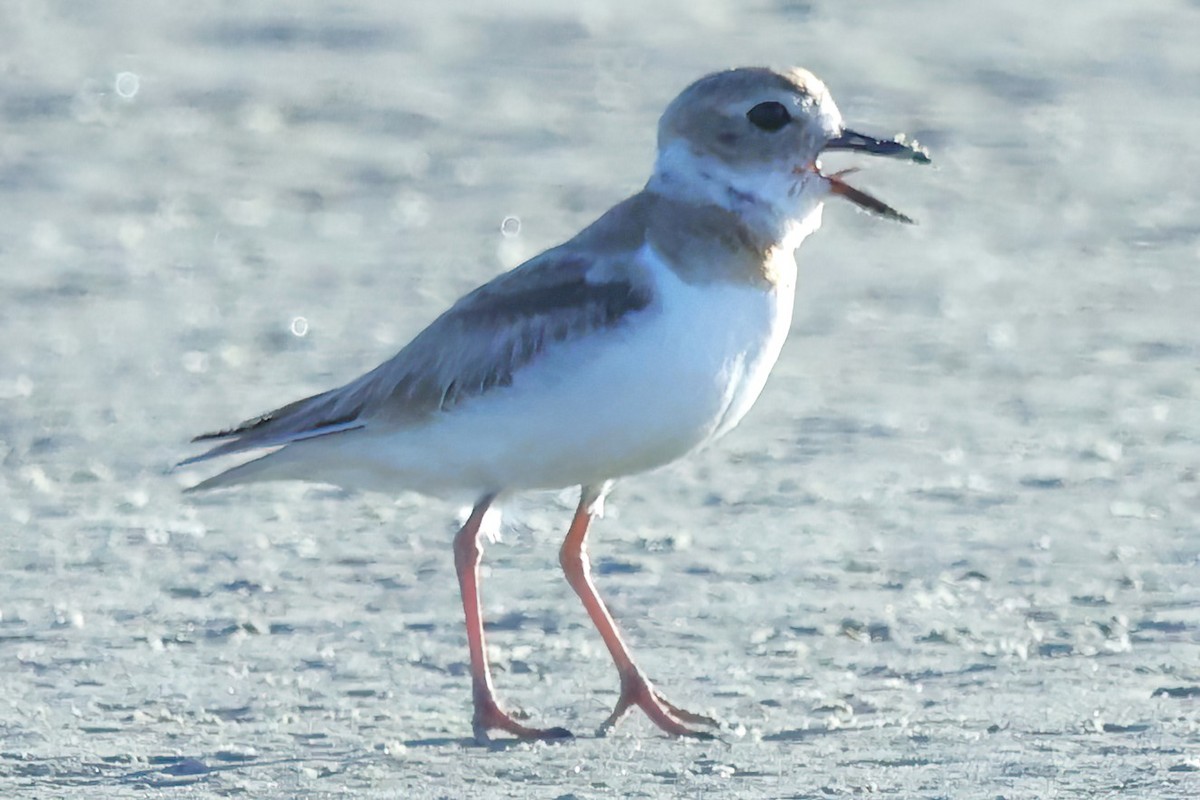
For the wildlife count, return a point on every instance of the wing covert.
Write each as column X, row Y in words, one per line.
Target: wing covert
column 478, row 345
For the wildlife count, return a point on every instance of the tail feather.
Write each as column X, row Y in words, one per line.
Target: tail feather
column 241, row 445
column 259, row 469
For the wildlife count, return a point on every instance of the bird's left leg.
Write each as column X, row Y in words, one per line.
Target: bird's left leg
column 636, row 688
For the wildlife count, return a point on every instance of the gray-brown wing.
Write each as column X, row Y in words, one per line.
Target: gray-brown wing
column 476, row 346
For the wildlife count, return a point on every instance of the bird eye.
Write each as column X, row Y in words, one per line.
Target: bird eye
column 769, row 116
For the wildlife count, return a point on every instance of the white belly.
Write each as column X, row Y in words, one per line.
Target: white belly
column 677, row 375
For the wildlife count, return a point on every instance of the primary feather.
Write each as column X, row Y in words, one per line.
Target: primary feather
column 477, row 345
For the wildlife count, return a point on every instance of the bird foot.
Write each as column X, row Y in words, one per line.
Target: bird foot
column 490, row 717
column 636, row 690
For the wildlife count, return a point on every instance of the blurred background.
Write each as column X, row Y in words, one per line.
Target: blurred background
column 953, row 551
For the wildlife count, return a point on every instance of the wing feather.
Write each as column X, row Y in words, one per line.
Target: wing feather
column 478, row 345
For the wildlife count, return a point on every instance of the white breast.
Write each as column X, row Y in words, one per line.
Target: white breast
column 676, row 376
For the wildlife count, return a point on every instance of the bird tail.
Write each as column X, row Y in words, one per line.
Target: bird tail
column 263, row 468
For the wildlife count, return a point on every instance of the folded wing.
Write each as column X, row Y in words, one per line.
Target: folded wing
column 476, row 346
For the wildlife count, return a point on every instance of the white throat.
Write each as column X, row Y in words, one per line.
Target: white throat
column 775, row 200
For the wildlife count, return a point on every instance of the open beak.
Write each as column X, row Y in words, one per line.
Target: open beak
column 896, row 148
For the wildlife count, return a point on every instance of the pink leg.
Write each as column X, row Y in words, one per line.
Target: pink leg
column 488, row 714
column 636, row 689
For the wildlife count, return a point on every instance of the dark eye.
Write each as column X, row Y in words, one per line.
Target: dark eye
column 769, row 116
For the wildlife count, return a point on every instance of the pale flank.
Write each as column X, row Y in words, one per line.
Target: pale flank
column 649, row 334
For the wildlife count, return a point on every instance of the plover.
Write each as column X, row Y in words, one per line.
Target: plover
column 646, row 336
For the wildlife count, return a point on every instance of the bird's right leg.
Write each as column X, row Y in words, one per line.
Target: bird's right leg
column 488, row 713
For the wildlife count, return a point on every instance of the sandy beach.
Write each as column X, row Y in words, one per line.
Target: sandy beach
column 954, row 551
